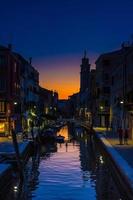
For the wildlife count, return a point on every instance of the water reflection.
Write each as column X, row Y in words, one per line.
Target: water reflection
column 96, row 174
column 73, row 170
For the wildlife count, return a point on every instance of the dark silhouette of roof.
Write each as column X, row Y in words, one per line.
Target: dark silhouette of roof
column 124, row 50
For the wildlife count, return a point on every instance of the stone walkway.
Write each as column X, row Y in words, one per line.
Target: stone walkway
column 126, row 151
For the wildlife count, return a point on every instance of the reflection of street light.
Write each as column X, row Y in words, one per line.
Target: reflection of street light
column 15, row 103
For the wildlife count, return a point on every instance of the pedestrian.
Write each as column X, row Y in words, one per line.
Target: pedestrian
column 126, row 136
column 120, row 133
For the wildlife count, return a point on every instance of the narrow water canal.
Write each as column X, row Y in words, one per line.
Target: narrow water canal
column 74, row 170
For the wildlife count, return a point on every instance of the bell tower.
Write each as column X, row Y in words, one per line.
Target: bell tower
column 84, row 73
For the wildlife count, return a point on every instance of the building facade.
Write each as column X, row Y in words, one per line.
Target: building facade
column 105, row 65
column 122, row 92
column 48, row 105
column 92, row 99
column 19, row 83
column 10, row 101
column 29, row 94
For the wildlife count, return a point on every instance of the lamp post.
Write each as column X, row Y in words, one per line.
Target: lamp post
column 122, row 114
column 123, row 102
column 101, row 114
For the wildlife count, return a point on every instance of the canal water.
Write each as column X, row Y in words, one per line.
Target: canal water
column 74, row 170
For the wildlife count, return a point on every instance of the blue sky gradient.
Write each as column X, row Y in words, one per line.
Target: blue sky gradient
column 46, row 29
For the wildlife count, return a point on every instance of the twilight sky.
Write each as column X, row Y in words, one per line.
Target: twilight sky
column 56, row 32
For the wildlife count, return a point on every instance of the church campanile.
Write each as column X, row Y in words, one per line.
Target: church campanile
column 84, row 74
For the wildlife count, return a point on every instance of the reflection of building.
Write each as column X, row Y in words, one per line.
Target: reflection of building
column 10, row 102
column 87, row 161
column 96, row 171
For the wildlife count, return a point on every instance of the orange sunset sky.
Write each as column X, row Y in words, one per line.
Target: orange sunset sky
column 61, row 74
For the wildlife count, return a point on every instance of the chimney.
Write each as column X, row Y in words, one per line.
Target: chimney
column 30, row 60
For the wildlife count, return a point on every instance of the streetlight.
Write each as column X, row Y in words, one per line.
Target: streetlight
column 124, row 90
column 121, row 102
column 101, row 108
column 101, row 114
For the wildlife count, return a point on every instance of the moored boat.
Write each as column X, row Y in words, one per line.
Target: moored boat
column 60, row 138
column 48, row 136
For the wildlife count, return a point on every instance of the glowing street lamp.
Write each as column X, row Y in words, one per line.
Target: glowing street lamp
column 101, row 107
column 121, row 102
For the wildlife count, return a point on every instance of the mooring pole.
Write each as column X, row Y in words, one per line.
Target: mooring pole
column 16, row 148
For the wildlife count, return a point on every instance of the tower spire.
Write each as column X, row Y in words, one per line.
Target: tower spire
column 84, row 73
column 85, row 53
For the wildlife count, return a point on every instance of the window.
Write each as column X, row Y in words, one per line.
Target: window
column 2, row 106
